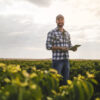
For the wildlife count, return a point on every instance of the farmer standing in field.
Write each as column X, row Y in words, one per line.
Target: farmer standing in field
column 58, row 40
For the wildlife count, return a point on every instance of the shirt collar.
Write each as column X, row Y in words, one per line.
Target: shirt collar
column 58, row 29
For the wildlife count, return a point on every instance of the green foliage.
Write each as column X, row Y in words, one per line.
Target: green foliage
column 36, row 80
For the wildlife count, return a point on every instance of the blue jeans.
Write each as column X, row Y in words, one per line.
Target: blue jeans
column 63, row 68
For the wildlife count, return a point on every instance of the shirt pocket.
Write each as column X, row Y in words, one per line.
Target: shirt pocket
column 67, row 39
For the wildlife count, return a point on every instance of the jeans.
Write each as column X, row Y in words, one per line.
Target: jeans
column 63, row 68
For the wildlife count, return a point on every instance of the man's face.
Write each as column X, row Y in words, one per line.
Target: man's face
column 60, row 22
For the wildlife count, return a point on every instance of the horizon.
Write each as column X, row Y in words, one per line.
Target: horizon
column 40, row 59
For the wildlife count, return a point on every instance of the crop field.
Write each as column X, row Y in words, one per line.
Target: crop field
column 36, row 80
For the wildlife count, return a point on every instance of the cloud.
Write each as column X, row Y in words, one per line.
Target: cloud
column 88, row 50
column 24, row 26
column 14, row 33
column 21, row 37
column 21, row 32
column 85, row 33
column 42, row 3
column 88, row 5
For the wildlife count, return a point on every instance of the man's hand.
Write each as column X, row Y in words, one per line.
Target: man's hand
column 74, row 49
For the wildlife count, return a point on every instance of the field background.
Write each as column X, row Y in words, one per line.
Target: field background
column 34, row 79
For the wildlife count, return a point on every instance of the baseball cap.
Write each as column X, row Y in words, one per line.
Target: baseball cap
column 59, row 16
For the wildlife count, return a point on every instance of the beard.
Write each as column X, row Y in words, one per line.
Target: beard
column 60, row 25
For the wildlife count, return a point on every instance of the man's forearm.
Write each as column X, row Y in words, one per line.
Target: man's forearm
column 56, row 48
column 59, row 48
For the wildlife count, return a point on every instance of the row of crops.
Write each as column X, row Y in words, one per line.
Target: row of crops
column 36, row 80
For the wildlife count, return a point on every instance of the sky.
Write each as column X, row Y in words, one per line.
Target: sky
column 24, row 25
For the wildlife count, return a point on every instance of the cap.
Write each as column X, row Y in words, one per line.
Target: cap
column 59, row 16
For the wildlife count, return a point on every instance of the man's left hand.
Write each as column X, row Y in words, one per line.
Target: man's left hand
column 74, row 49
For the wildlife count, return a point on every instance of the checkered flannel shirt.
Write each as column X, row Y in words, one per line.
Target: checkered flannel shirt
column 60, row 39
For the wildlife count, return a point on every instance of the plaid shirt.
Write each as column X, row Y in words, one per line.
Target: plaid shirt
column 60, row 39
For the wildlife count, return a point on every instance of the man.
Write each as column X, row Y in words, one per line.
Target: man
column 58, row 40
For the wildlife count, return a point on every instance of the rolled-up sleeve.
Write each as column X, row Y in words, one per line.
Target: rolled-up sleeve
column 49, row 41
